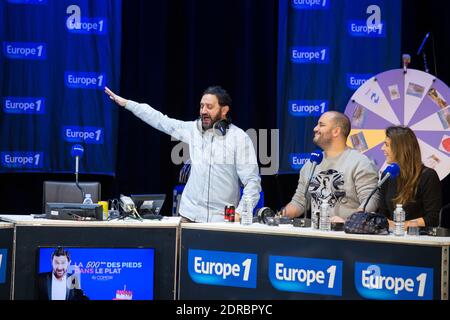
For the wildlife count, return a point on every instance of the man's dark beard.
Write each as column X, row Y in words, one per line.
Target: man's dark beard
column 211, row 124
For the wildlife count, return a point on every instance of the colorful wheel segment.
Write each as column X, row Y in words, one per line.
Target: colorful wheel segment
column 415, row 99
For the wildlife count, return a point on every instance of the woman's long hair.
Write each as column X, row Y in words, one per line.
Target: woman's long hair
column 406, row 152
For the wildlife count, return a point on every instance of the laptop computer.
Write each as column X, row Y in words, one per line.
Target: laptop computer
column 149, row 205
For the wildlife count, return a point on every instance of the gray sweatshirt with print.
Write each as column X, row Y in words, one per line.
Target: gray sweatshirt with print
column 345, row 182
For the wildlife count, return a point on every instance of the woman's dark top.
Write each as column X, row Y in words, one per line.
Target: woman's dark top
column 428, row 199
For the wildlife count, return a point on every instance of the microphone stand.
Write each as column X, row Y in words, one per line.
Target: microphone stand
column 434, row 58
column 440, row 231
column 78, row 186
column 425, row 63
column 314, row 164
column 370, row 196
column 76, row 180
column 383, row 180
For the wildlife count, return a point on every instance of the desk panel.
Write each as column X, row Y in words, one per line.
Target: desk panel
column 6, row 253
column 34, row 233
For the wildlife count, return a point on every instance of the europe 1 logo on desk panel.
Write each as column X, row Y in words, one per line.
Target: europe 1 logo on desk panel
column 306, row 275
column 221, row 268
column 393, row 282
column 3, row 260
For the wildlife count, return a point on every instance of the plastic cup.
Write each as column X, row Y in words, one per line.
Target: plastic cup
column 104, row 204
column 413, row 229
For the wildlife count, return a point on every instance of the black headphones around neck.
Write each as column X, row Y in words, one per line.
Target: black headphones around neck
column 220, row 127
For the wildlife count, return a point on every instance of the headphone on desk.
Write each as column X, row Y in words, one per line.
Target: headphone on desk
column 270, row 217
column 264, row 214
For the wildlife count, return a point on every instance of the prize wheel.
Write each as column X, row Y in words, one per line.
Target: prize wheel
column 415, row 99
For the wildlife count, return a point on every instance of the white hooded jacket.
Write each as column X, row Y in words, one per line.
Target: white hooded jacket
column 218, row 163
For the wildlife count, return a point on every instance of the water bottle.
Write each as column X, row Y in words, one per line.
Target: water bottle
column 88, row 199
column 247, row 213
column 325, row 217
column 399, row 220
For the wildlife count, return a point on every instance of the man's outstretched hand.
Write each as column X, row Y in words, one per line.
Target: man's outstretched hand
column 114, row 97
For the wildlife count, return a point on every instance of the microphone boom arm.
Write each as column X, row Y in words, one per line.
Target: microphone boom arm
column 314, row 164
column 370, row 196
column 76, row 180
column 391, row 172
column 77, row 152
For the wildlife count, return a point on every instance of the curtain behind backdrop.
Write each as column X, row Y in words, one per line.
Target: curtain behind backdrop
column 172, row 50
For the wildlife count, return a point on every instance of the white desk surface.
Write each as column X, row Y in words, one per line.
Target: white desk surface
column 290, row 230
column 4, row 225
column 29, row 220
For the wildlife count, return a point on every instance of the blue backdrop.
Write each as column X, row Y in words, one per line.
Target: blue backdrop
column 327, row 49
column 56, row 57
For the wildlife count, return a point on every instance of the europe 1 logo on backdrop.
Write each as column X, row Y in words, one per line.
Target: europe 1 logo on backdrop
column 24, row 105
column 85, row 80
column 310, row 55
column 298, row 160
column 25, row 50
column 310, row 4
column 92, row 135
column 27, row 1
column 355, row 80
column 372, row 27
column 22, row 160
column 76, row 23
column 308, row 108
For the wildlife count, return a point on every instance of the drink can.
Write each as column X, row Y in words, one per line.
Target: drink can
column 226, row 215
column 230, row 213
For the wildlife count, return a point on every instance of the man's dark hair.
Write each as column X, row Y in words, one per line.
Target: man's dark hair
column 222, row 95
column 342, row 121
column 60, row 251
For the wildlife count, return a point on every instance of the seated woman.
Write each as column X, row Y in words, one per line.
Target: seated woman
column 417, row 187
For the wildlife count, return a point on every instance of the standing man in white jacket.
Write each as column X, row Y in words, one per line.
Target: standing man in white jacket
column 221, row 154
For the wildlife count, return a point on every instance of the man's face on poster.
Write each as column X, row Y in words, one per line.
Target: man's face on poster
column 60, row 265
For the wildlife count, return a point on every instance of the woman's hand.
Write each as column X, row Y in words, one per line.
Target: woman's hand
column 335, row 219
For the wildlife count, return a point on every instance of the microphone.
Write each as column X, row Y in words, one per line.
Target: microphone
column 391, row 171
column 406, row 61
column 315, row 158
column 423, row 43
column 77, row 152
